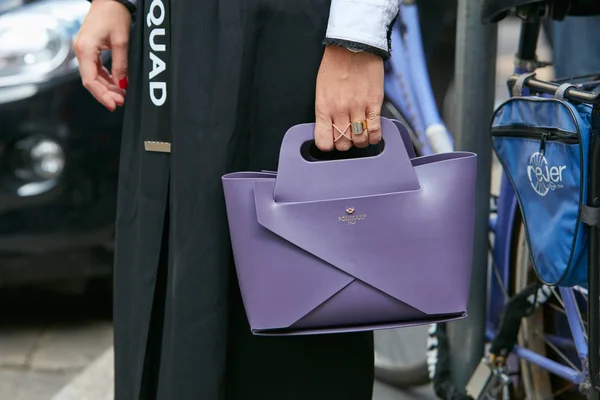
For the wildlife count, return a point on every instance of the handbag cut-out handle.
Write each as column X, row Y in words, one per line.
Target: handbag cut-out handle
column 301, row 180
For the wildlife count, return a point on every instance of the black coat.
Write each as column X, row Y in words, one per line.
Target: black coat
column 241, row 73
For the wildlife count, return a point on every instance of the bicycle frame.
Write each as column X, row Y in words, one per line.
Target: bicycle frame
column 407, row 86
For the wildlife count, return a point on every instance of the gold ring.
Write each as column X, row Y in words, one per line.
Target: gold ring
column 342, row 132
column 358, row 128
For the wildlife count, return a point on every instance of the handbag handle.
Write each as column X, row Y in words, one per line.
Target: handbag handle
column 301, row 180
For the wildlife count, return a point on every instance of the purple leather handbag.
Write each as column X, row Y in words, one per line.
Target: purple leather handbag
column 352, row 245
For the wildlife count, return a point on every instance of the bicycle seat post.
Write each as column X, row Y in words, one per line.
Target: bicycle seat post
column 526, row 58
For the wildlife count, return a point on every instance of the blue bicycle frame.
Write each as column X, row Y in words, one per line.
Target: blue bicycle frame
column 407, row 86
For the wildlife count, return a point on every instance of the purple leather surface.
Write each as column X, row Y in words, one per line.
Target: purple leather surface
column 405, row 259
column 301, row 180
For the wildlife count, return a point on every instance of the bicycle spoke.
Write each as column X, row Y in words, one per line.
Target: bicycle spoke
column 557, row 309
column 500, row 283
column 558, row 297
column 582, row 291
column 557, row 350
column 563, row 311
column 563, row 390
column 582, row 322
column 497, row 272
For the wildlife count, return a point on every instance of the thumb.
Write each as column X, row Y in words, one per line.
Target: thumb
column 119, row 62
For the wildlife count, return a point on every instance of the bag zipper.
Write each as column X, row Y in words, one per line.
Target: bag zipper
column 542, row 134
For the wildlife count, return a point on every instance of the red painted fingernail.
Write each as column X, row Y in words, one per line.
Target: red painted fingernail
column 109, row 109
column 123, row 83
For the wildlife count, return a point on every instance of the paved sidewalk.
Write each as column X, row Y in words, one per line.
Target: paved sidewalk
column 94, row 383
column 36, row 361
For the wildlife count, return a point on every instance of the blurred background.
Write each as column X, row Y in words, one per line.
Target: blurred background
column 59, row 153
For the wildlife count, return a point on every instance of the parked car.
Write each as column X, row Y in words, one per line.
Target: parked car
column 59, row 151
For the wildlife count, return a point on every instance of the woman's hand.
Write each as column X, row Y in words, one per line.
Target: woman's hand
column 349, row 89
column 106, row 27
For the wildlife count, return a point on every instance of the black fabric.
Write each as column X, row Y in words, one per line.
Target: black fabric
column 242, row 73
column 518, row 307
column 590, row 215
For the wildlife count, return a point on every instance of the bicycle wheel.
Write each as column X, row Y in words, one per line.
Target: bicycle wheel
column 537, row 331
column 400, row 354
column 399, row 357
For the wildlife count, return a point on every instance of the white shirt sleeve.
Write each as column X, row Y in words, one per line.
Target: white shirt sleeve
column 365, row 22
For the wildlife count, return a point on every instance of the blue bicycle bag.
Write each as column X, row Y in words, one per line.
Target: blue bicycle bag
column 543, row 145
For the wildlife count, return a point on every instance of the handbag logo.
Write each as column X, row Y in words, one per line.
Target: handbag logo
column 350, row 218
column 544, row 178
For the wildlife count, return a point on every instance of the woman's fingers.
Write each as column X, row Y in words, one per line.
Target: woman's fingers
column 106, row 79
column 90, row 71
column 342, row 135
column 324, row 132
column 374, row 123
column 349, row 89
column 118, row 46
column 106, row 26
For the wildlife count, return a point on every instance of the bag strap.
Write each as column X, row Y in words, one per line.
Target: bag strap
column 517, row 90
column 562, row 90
column 590, row 215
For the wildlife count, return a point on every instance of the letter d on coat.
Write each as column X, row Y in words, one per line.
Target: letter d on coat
column 161, row 87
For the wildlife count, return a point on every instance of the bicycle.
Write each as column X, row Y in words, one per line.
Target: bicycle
column 538, row 364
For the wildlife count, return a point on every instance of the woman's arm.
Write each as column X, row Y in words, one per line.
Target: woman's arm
column 362, row 25
column 350, row 84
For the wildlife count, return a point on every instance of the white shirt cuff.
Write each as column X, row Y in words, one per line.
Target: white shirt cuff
column 362, row 21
